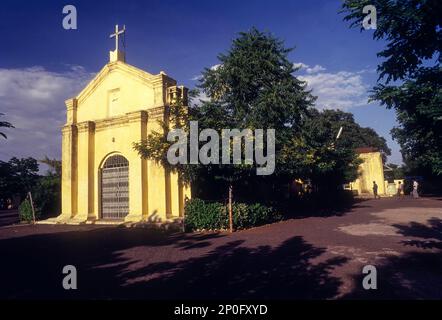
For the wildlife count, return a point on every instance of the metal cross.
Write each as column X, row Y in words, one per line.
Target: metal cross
column 116, row 34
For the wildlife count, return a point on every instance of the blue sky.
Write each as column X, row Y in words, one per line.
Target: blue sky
column 42, row 64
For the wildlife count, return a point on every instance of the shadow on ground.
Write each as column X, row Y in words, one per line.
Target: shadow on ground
column 8, row 217
column 111, row 263
column 319, row 209
column 415, row 274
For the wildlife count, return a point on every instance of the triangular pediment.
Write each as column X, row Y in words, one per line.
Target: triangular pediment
column 121, row 67
column 120, row 88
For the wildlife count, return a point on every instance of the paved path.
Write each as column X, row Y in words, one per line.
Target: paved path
column 8, row 217
column 309, row 258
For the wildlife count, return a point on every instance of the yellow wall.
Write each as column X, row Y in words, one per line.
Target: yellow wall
column 371, row 169
column 97, row 128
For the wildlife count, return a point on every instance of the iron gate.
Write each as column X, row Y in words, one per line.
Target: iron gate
column 115, row 188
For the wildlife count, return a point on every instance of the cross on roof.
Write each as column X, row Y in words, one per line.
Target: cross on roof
column 116, row 34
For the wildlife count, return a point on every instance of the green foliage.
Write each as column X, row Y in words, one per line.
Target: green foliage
column 156, row 145
column 254, row 87
column 418, row 105
column 18, row 176
column 201, row 215
column 25, row 211
column 394, row 172
column 328, row 162
column 413, row 32
column 334, row 162
column 252, row 215
column 47, row 196
column 353, row 135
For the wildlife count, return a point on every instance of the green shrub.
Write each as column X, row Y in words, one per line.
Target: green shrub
column 25, row 211
column 47, row 195
column 252, row 215
column 204, row 215
column 201, row 215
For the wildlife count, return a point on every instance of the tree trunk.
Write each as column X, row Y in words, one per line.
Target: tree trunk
column 230, row 208
column 32, row 206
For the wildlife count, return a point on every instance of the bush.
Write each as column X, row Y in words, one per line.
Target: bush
column 247, row 216
column 201, row 215
column 25, row 211
column 47, row 195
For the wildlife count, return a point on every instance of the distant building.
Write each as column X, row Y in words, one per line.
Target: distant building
column 371, row 169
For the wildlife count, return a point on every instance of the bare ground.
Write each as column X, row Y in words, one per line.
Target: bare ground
column 309, row 258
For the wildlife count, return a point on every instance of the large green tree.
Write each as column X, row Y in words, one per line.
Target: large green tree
column 410, row 74
column 254, row 86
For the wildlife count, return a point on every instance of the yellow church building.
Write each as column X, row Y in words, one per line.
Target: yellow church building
column 103, row 177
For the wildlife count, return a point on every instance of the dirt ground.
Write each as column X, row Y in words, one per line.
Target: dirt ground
column 308, row 258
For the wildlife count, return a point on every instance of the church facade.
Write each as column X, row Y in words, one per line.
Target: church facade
column 103, row 177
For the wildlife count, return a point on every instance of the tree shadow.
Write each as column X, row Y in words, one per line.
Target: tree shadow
column 431, row 233
column 317, row 209
column 232, row 271
column 122, row 264
column 8, row 217
column 414, row 275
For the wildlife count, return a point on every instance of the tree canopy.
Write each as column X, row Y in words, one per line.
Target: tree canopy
column 353, row 135
column 254, row 86
column 18, row 176
column 410, row 74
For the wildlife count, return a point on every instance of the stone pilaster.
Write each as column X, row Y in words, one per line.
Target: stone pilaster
column 85, row 162
column 69, row 172
column 137, row 168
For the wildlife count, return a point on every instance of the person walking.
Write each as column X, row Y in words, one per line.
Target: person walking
column 400, row 189
column 375, row 190
column 415, row 189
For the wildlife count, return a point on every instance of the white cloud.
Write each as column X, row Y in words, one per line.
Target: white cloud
column 340, row 90
column 317, row 68
column 32, row 99
column 300, row 65
column 199, row 77
column 305, row 67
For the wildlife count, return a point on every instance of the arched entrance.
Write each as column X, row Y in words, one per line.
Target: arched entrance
column 115, row 188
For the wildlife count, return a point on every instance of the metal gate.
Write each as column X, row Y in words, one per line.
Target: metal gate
column 115, row 188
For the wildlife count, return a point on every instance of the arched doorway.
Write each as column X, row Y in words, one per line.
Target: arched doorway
column 115, row 188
